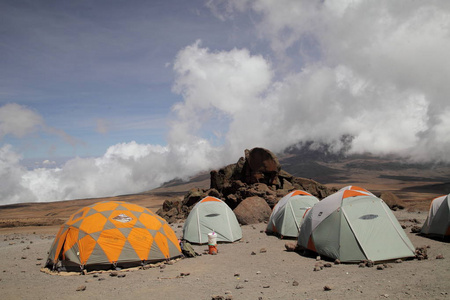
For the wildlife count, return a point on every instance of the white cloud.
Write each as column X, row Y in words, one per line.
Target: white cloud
column 380, row 72
column 124, row 168
column 12, row 189
column 18, row 120
column 217, row 87
column 226, row 80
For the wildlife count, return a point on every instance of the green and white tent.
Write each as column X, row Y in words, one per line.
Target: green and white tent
column 211, row 215
column 288, row 213
column 438, row 220
column 353, row 225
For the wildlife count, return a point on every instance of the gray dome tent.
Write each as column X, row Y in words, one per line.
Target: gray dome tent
column 208, row 215
column 438, row 220
column 353, row 225
column 287, row 215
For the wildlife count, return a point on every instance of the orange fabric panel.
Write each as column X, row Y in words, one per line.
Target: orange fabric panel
column 297, row 192
column 86, row 245
column 123, row 218
column 60, row 231
column 112, row 241
column 93, row 223
column 161, row 242
column 311, row 245
column 209, row 198
column 352, row 193
column 56, row 241
column 357, row 188
column 170, row 234
column 60, row 244
column 150, row 222
column 104, row 206
column 141, row 240
column 71, row 238
column 133, row 207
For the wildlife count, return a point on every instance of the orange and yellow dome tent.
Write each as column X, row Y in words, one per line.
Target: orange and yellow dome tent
column 112, row 234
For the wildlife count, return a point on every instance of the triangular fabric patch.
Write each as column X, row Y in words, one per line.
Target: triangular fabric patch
column 106, row 213
column 109, row 225
column 95, row 235
column 90, row 212
column 120, row 207
column 125, row 231
column 128, row 253
column 137, row 214
column 81, row 234
column 78, row 223
column 97, row 256
column 152, row 232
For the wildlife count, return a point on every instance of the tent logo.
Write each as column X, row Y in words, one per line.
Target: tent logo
column 122, row 218
column 368, row 217
column 212, row 215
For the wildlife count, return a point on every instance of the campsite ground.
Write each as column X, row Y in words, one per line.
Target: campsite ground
column 269, row 273
column 28, row 229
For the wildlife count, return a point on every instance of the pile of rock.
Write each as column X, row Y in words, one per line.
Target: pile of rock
column 422, row 252
column 251, row 187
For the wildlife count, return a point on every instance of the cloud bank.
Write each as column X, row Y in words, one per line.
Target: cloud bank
column 372, row 70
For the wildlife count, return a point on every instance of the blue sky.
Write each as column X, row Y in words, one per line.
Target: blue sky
column 101, row 70
column 101, row 98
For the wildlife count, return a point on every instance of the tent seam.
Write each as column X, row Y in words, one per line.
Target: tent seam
column 198, row 226
column 392, row 223
column 351, row 227
column 229, row 224
column 293, row 215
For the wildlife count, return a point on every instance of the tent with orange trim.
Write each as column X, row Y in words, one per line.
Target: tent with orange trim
column 353, row 225
column 438, row 220
column 112, row 234
column 211, row 215
column 287, row 215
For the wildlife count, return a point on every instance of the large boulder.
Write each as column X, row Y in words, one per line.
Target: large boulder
column 392, row 201
column 261, row 166
column 193, row 196
column 313, row 187
column 252, row 210
column 172, row 210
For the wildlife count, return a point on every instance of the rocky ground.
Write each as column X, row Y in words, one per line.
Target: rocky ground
column 257, row 267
